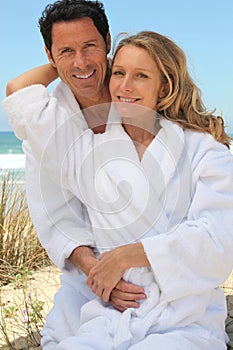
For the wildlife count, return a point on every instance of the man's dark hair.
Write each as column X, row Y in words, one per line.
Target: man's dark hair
column 67, row 10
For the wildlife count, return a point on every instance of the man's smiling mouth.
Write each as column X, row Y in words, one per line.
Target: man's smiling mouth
column 84, row 76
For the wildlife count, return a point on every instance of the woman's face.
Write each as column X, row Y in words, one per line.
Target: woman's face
column 135, row 78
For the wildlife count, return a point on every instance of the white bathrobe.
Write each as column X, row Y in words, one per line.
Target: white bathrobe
column 178, row 201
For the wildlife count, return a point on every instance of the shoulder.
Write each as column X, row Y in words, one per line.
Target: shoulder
column 202, row 148
column 207, row 155
column 200, row 142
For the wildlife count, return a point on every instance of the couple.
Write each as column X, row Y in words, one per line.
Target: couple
column 132, row 200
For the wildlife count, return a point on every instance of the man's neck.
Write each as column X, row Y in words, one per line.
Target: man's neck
column 96, row 111
column 104, row 97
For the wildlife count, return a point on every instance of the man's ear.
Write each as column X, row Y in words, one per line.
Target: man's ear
column 108, row 41
column 50, row 57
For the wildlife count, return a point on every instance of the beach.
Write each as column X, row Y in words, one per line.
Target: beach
column 40, row 287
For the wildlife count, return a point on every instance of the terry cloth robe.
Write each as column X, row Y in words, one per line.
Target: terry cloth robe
column 30, row 109
column 185, row 232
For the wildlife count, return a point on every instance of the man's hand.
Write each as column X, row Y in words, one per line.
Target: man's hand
column 126, row 295
column 83, row 258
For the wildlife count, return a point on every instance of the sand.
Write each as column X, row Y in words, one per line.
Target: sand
column 37, row 289
column 40, row 288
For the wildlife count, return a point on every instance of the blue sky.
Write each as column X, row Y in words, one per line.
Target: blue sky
column 203, row 28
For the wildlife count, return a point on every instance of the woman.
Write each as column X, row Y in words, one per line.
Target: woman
column 177, row 245
column 173, row 224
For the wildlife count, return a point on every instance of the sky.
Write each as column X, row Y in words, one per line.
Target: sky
column 202, row 28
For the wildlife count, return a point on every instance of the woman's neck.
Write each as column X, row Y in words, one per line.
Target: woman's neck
column 142, row 135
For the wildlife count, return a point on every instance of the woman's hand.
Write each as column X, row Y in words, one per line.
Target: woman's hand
column 105, row 275
column 109, row 270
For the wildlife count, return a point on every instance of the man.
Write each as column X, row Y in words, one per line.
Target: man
column 77, row 41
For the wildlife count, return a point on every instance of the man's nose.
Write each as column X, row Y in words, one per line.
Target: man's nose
column 80, row 60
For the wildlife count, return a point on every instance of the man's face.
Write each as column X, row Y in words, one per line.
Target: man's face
column 80, row 55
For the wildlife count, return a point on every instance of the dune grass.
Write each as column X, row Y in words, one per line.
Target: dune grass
column 20, row 256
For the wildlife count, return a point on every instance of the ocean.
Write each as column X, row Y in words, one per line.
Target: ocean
column 12, row 158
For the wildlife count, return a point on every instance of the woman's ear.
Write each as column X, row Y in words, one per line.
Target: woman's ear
column 164, row 90
column 50, row 57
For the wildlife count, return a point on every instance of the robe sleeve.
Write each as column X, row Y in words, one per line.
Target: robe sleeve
column 197, row 254
column 60, row 219
column 23, row 106
column 35, row 115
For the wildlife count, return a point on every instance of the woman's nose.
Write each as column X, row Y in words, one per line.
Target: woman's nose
column 127, row 84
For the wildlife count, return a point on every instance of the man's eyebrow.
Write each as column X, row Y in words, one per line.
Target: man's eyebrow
column 90, row 40
column 68, row 47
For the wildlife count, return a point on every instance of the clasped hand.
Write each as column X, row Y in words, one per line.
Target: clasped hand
column 105, row 280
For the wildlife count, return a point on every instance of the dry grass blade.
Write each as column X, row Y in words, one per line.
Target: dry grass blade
column 20, row 254
column 19, row 245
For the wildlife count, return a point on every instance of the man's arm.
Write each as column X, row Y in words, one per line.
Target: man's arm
column 58, row 217
column 44, row 75
column 83, row 258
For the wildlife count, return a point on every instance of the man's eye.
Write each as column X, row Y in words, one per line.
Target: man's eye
column 66, row 50
column 90, row 45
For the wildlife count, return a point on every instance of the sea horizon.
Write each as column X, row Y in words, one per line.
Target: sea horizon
column 12, row 157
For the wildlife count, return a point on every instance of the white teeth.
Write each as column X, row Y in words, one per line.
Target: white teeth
column 128, row 100
column 85, row 76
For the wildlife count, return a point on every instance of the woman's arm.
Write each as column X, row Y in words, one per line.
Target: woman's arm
column 39, row 75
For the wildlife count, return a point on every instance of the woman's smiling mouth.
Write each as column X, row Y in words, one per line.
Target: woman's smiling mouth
column 127, row 99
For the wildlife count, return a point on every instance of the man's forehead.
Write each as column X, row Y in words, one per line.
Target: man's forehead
column 79, row 25
column 82, row 30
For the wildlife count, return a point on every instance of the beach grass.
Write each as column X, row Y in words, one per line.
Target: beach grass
column 22, row 309
column 19, row 246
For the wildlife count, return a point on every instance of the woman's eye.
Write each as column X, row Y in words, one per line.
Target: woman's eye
column 142, row 75
column 117, row 72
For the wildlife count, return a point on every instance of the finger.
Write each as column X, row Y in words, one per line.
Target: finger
column 95, row 287
column 117, row 307
column 106, row 295
column 129, row 287
column 127, row 296
column 89, row 282
column 123, row 304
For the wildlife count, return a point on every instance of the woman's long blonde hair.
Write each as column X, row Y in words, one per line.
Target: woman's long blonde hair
column 182, row 103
